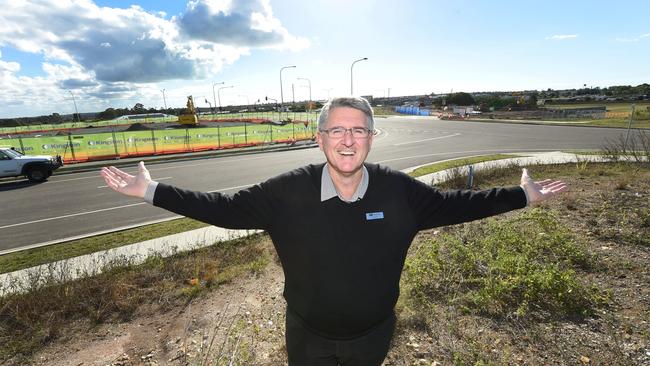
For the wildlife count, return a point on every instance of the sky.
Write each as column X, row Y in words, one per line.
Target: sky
column 100, row 54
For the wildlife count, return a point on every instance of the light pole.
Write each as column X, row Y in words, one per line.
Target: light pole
column 328, row 92
column 75, row 107
column 164, row 99
column 281, row 92
column 213, row 97
column 219, row 92
column 309, row 83
column 351, row 78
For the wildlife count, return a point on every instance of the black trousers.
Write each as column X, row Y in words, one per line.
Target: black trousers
column 309, row 349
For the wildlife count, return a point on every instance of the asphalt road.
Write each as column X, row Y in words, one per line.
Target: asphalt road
column 78, row 204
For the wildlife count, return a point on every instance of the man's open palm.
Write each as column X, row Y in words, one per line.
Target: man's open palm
column 131, row 185
column 542, row 190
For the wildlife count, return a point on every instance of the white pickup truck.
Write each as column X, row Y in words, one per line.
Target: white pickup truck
column 36, row 168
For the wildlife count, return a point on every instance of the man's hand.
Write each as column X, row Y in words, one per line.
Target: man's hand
column 542, row 190
column 125, row 183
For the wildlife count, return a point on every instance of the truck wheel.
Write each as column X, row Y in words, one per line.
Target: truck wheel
column 37, row 174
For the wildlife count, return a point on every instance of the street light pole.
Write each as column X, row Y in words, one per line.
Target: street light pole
column 75, row 107
column 328, row 92
column 309, row 83
column 213, row 98
column 351, row 78
column 219, row 93
column 164, row 99
column 281, row 91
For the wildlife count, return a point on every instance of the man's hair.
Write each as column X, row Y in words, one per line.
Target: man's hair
column 350, row 102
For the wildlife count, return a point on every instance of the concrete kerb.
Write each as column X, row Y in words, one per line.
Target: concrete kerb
column 94, row 263
column 579, row 124
column 133, row 254
column 555, row 157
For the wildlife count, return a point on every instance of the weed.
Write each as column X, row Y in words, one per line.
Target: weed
column 30, row 320
column 636, row 146
column 520, row 266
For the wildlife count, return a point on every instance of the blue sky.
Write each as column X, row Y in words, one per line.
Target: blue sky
column 118, row 53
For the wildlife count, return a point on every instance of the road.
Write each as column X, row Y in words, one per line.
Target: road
column 71, row 205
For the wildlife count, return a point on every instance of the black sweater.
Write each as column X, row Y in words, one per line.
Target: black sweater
column 342, row 261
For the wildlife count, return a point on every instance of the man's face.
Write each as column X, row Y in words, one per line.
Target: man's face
column 346, row 154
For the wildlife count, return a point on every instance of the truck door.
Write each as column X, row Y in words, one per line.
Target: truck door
column 8, row 166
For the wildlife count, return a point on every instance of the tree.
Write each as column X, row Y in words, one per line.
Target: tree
column 109, row 113
column 461, row 99
column 138, row 108
column 56, row 118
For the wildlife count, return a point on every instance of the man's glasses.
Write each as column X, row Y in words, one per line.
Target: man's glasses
column 356, row 132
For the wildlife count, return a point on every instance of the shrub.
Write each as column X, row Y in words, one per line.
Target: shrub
column 521, row 266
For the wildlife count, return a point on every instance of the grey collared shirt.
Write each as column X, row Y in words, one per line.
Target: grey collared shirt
column 327, row 189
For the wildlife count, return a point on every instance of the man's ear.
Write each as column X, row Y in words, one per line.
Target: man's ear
column 319, row 140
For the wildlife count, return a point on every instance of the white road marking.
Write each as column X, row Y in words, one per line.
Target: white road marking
column 157, row 179
column 154, row 168
column 71, row 215
column 433, row 138
column 104, row 209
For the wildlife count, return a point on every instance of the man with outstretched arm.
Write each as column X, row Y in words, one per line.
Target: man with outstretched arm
column 341, row 230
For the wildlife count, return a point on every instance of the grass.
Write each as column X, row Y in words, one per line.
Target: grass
column 616, row 122
column 385, row 111
column 436, row 167
column 37, row 256
column 538, row 284
column 522, row 266
column 618, row 119
column 611, row 107
column 29, row 321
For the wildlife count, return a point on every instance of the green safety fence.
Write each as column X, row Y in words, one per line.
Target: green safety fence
column 86, row 147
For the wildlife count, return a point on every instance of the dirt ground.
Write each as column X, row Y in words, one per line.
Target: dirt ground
column 242, row 322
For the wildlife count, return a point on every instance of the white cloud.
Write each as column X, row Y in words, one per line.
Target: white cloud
column 247, row 23
column 561, row 37
column 106, row 51
column 636, row 39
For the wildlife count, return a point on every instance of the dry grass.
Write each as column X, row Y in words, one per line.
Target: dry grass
column 31, row 320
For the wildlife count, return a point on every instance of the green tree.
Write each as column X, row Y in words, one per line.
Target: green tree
column 109, row 113
column 138, row 108
column 461, row 99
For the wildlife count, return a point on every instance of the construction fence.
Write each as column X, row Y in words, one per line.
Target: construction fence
column 123, row 144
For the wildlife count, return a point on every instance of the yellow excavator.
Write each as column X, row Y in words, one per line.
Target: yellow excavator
column 189, row 118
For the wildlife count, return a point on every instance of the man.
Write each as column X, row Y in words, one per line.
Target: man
column 341, row 230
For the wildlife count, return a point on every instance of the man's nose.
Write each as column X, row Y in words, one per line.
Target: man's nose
column 348, row 139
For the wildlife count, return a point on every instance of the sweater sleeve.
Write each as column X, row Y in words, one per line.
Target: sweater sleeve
column 247, row 209
column 435, row 208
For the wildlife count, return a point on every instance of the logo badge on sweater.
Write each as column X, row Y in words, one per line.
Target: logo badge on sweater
column 374, row 215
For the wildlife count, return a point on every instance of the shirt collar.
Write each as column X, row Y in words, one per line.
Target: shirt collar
column 328, row 190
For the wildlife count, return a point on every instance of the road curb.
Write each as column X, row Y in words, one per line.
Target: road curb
column 541, row 123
